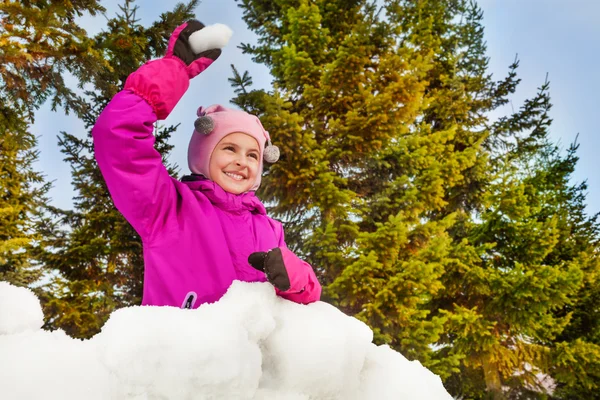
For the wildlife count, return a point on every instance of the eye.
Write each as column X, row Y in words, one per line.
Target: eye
column 229, row 148
column 253, row 155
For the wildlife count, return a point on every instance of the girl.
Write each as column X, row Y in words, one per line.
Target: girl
column 202, row 233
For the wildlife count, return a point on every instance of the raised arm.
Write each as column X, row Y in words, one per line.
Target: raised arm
column 139, row 184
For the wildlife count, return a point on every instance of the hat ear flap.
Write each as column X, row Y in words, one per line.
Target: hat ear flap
column 204, row 125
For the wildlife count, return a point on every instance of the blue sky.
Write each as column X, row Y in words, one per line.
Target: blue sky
column 550, row 36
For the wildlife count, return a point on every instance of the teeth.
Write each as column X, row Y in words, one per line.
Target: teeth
column 234, row 176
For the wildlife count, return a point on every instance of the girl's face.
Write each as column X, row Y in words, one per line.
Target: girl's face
column 234, row 162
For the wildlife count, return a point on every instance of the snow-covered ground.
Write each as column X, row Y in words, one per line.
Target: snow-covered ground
column 249, row 345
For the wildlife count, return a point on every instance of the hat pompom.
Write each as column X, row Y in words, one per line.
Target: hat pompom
column 271, row 153
column 204, row 125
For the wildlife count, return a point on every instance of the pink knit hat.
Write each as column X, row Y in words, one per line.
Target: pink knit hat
column 216, row 122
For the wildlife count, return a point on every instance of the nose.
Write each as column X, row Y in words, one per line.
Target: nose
column 241, row 161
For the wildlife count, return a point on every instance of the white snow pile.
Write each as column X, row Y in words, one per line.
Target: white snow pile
column 249, row 345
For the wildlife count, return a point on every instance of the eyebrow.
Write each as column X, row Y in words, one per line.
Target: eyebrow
column 236, row 145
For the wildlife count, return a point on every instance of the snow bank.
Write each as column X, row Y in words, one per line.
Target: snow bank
column 20, row 310
column 249, row 345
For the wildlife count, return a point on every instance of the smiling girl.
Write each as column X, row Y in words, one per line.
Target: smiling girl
column 234, row 163
column 209, row 229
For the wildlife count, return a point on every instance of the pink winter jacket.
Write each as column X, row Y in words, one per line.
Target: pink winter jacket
column 196, row 237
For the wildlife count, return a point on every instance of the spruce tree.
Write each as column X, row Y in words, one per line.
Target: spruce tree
column 22, row 197
column 363, row 172
column 507, row 352
column 575, row 356
column 433, row 224
column 462, row 94
column 38, row 42
column 506, row 286
column 96, row 255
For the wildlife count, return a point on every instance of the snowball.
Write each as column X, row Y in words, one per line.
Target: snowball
column 210, row 37
column 20, row 310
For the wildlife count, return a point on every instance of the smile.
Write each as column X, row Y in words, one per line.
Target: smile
column 234, row 176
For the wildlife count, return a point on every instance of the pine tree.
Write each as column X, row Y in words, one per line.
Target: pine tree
column 22, row 196
column 437, row 227
column 364, row 173
column 575, row 361
column 508, row 195
column 38, row 42
column 504, row 291
column 462, row 95
column 96, row 255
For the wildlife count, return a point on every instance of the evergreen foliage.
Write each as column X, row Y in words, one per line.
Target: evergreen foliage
column 457, row 236
column 22, row 197
column 38, row 42
column 41, row 41
column 95, row 254
column 452, row 235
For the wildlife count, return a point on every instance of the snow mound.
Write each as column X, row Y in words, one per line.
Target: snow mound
column 20, row 310
column 249, row 345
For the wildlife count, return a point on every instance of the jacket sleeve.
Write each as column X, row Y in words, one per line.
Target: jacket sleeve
column 137, row 180
column 304, row 286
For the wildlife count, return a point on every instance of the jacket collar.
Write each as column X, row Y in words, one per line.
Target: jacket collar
column 224, row 200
